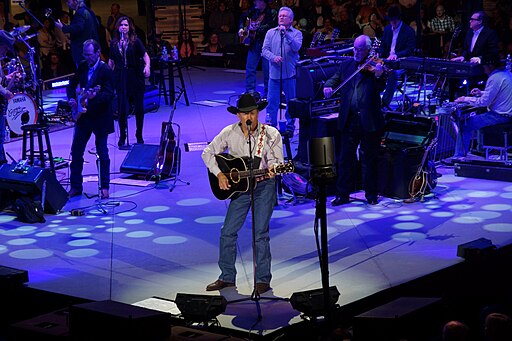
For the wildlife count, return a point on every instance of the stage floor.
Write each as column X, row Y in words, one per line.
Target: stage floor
column 157, row 240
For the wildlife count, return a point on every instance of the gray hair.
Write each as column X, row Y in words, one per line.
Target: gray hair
column 287, row 9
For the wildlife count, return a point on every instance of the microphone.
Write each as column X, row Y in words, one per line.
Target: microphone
column 249, row 124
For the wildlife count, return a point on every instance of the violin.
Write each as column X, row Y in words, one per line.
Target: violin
column 372, row 64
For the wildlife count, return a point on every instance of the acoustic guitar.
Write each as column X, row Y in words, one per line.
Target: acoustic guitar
column 425, row 177
column 235, row 169
column 249, row 32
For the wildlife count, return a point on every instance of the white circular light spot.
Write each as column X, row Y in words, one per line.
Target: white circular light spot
column 467, row 220
column 45, row 234
column 371, row 216
column 139, row 234
column 169, row 240
column 481, row 214
column 210, row 220
column 22, row 241
column 408, row 236
column 6, row 218
column 348, row 222
column 168, row 221
column 3, row 249
column 281, row 214
column 127, row 214
column 81, row 235
column 497, row 207
column 460, row 207
column 193, row 202
column 482, row 194
column 115, row 229
column 82, row 253
column 498, row 227
column 407, row 226
column 133, row 221
column 154, row 209
column 31, row 254
column 81, row 242
column 407, row 217
column 442, row 214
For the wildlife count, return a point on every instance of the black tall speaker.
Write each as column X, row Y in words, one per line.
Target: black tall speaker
column 32, row 182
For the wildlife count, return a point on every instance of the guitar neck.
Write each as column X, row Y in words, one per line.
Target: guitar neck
column 255, row 172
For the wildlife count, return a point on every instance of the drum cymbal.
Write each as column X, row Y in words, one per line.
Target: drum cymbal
column 19, row 30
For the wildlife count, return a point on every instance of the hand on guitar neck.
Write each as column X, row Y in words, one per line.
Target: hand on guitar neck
column 79, row 105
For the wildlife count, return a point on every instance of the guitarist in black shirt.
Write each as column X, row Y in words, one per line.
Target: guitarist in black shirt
column 252, row 32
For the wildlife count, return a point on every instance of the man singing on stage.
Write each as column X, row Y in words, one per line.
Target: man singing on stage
column 281, row 48
column 267, row 151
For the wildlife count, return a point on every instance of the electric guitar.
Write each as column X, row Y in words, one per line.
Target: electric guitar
column 238, row 175
column 425, row 178
column 81, row 102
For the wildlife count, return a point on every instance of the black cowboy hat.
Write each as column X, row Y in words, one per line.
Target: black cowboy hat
column 247, row 103
column 394, row 13
column 6, row 38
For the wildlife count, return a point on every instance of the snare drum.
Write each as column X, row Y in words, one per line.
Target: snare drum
column 21, row 110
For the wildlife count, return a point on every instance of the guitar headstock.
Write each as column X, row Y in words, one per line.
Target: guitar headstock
column 287, row 167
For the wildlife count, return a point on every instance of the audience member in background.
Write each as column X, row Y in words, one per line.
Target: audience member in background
column 348, row 28
column 46, row 41
column 104, row 36
column 131, row 65
column 83, row 26
column 398, row 41
column 298, row 12
column 498, row 327
column 54, row 67
column 369, row 13
column 214, row 46
column 456, row 331
column 115, row 13
column 222, row 22
column 317, row 14
column 63, row 42
column 442, row 26
column 186, row 46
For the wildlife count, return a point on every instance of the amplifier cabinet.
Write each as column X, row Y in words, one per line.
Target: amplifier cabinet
column 311, row 76
column 489, row 170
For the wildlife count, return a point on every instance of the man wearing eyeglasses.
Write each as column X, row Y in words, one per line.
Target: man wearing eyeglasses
column 479, row 40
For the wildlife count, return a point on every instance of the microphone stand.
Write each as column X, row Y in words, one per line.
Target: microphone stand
column 123, row 110
column 36, row 72
column 255, row 296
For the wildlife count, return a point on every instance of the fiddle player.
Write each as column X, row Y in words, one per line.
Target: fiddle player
column 497, row 97
column 360, row 122
column 398, row 41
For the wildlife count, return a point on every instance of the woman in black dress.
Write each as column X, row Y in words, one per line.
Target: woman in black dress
column 131, row 64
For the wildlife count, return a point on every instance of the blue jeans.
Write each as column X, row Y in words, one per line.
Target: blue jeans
column 274, row 98
column 2, row 136
column 264, row 200
column 253, row 59
column 391, row 84
column 468, row 125
column 76, row 167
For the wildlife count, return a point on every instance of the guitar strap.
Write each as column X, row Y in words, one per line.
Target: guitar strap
column 261, row 140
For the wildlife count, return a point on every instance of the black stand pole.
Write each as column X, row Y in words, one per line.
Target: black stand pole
column 255, row 295
column 34, row 64
column 321, row 215
column 123, row 100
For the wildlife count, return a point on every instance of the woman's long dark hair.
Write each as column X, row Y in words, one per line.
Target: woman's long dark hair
column 132, row 36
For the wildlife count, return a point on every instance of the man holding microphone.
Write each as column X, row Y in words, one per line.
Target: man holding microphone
column 281, row 48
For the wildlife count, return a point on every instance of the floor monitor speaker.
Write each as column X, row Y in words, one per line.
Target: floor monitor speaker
column 32, row 181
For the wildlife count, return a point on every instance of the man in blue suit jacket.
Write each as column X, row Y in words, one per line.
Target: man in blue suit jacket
column 96, row 76
column 398, row 40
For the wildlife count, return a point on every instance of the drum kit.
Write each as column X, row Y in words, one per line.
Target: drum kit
column 21, row 79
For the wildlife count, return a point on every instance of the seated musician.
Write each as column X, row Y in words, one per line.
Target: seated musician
column 398, row 40
column 497, row 97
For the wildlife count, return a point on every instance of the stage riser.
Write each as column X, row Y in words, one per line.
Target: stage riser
column 490, row 171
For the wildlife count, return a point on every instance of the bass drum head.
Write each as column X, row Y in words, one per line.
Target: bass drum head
column 21, row 110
